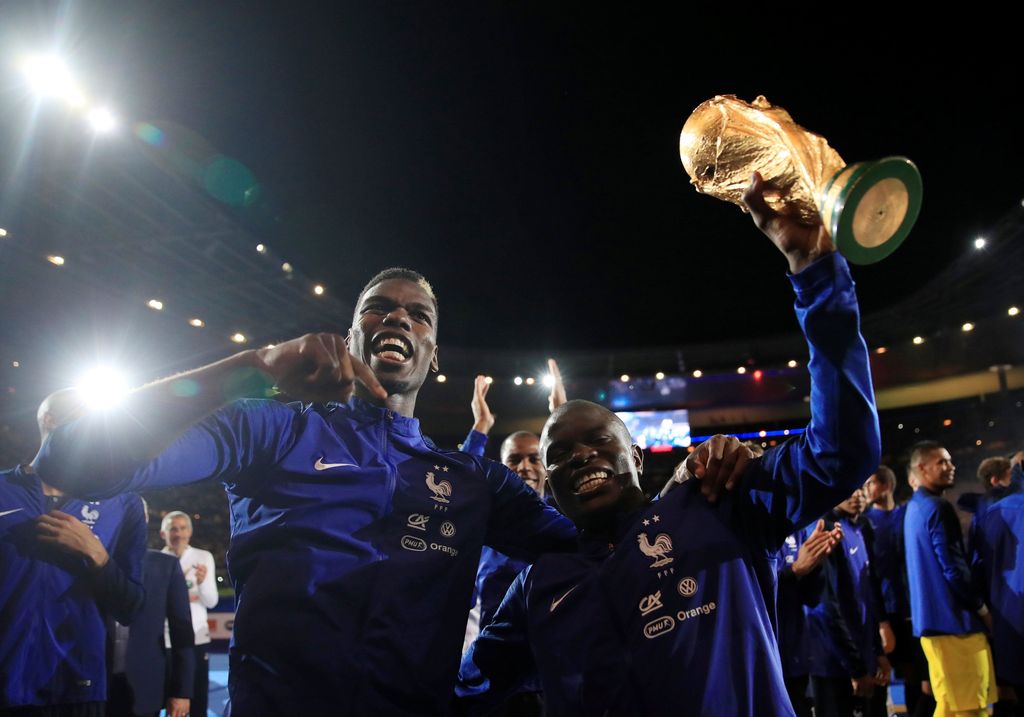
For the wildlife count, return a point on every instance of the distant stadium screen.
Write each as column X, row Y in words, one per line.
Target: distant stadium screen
column 652, row 429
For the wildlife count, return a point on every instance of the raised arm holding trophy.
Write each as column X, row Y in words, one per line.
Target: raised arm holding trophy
column 868, row 208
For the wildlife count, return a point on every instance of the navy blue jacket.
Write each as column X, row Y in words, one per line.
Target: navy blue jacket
column 793, row 595
column 354, row 544
column 999, row 568
column 843, row 626
column 889, row 560
column 675, row 617
column 146, row 666
column 51, row 605
column 496, row 571
column 942, row 599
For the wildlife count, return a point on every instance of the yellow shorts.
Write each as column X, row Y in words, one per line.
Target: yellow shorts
column 961, row 671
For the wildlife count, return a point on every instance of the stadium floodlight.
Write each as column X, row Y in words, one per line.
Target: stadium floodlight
column 101, row 120
column 48, row 76
column 548, row 381
column 102, row 387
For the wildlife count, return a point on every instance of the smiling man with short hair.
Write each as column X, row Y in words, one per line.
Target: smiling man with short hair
column 668, row 608
column 355, row 539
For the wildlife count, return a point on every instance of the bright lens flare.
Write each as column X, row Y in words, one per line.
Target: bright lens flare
column 102, row 388
column 102, row 120
column 49, row 77
column 548, row 381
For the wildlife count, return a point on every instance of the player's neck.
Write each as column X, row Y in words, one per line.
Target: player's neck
column 404, row 404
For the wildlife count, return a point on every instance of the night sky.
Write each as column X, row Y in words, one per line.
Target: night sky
column 525, row 156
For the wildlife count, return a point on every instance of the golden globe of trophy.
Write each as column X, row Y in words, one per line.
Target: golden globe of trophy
column 868, row 208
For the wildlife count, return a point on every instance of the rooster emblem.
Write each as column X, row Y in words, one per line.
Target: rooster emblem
column 659, row 550
column 442, row 491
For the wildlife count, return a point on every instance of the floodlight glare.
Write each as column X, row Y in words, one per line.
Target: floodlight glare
column 101, row 120
column 548, row 381
column 102, row 387
column 49, row 76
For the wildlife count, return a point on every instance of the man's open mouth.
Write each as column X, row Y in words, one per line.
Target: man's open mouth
column 391, row 347
column 590, row 480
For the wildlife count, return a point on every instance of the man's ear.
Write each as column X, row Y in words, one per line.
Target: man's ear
column 434, row 365
column 638, row 459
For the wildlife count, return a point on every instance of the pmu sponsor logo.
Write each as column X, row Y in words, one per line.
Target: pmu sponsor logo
column 699, row 611
column 659, row 627
column 413, row 543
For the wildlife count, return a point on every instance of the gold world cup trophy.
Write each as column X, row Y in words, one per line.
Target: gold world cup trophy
column 868, row 208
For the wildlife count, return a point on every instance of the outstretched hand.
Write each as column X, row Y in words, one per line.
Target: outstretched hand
column 801, row 243
column 483, row 419
column 318, row 367
column 557, row 396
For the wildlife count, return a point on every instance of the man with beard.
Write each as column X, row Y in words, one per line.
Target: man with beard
column 667, row 608
column 355, row 540
column 948, row 614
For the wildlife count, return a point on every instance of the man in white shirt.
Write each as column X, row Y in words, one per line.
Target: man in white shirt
column 201, row 580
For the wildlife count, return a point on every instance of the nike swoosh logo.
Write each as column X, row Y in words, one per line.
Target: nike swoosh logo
column 854, row 550
column 321, row 466
column 556, row 603
column 8, row 512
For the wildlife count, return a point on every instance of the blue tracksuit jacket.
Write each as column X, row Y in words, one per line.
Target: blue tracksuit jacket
column 942, row 599
column 793, row 594
column 354, row 543
column 889, row 561
column 843, row 627
column 675, row 617
column 53, row 637
column 999, row 568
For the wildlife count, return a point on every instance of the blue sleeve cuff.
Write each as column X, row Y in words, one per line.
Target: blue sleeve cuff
column 829, row 269
column 475, row 443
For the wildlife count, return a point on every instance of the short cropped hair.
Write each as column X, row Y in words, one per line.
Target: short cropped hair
column 506, row 445
column 165, row 524
column 993, row 468
column 399, row 272
column 919, row 450
column 886, row 475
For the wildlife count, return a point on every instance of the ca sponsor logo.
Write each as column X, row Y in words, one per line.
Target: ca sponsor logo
column 651, row 603
column 446, row 549
column 659, row 549
column 658, row 627
column 442, row 490
column 699, row 611
column 417, row 521
column 447, row 529
column 89, row 516
column 413, row 543
column 687, row 587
